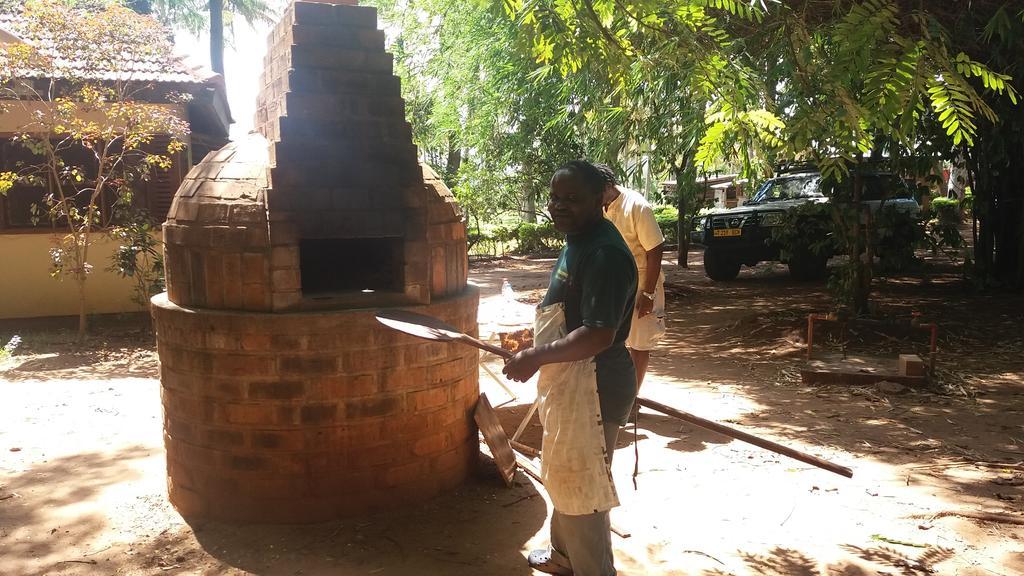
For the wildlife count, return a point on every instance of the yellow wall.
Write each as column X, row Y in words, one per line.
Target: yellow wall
column 27, row 290
column 19, row 115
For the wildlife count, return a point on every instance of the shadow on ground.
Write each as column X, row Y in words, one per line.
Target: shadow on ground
column 43, row 531
column 118, row 346
column 880, row 560
column 45, row 525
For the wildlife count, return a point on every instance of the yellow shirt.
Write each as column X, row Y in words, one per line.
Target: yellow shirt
column 634, row 218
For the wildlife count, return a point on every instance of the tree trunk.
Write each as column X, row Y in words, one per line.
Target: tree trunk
column 83, row 321
column 983, row 208
column 529, row 213
column 1006, row 187
column 862, row 254
column 453, row 162
column 686, row 187
column 217, row 36
column 530, row 210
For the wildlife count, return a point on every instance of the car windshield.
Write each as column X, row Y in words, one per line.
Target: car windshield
column 789, row 188
column 877, row 187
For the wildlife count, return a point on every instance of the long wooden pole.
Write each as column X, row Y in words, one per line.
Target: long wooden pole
column 748, row 438
column 696, row 420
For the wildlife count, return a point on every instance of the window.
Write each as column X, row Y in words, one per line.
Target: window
column 16, row 207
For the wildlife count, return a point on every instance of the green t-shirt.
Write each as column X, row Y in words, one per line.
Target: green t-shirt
column 595, row 277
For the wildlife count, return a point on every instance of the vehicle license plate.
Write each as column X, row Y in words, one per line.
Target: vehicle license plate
column 729, row 232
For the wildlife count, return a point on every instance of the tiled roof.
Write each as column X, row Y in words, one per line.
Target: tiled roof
column 144, row 66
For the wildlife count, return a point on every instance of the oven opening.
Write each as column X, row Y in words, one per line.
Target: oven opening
column 351, row 265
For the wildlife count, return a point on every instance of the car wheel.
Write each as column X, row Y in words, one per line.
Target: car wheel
column 806, row 267
column 719, row 266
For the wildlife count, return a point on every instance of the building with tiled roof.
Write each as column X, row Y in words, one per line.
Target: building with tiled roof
column 199, row 98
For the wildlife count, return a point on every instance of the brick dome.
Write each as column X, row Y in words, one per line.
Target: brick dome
column 217, row 233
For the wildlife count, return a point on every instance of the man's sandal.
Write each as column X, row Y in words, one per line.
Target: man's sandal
column 542, row 561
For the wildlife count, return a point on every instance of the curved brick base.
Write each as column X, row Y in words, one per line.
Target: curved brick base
column 305, row 417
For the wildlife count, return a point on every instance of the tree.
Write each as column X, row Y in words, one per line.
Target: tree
column 197, row 15
column 829, row 82
column 92, row 127
column 481, row 116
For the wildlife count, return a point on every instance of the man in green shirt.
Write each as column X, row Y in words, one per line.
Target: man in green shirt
column 595, row 279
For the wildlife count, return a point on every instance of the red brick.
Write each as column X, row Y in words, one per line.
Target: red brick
column 184, row 383
column 218, row 485
column 286, row 280
column 405, row 473
column 308, row 365
column 364, row 455
column 214, row 280
column 277, row 390
column 188, row 503
column 254, row 268
column 409, row 426
column 223, row 438
column 249, row 413
column 257, row 237
column 185, row 407
column 284, row 257
column 373, row 406
column 191, row 455
column 458, row 458
column 256, row 342
column 288, row 342
column 369, row 360
column 247, row 462
column 336, row 387
column 428, row 399
column 450, row 414
column 286, row 415
column 180, row 429
column 432, row 444
column 225, row 388
column 271, row 487
column 319, row 414
column 445, row 372
column 256, row 296
column 240, row 365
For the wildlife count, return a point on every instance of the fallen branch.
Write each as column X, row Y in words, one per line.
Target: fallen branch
column 93, row 562
column 996, row 517
column 705, row 554
column 518, row 500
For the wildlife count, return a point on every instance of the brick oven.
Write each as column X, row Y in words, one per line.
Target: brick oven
column 284, row 400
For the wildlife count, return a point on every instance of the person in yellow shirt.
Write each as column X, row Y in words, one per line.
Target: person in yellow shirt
column 634, row 218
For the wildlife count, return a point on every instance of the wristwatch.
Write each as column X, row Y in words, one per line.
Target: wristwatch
column 648, row 295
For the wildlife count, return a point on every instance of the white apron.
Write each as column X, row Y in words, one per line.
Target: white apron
column 572, row 464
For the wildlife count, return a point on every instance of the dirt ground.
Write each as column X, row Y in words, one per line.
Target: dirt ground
column 82, row 472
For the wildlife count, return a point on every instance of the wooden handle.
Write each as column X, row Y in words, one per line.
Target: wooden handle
column 748, row 438
column 467, row 339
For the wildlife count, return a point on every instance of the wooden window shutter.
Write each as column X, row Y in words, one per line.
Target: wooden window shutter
column 163, row 183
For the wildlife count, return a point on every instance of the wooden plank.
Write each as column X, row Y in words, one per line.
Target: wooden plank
column 497, row 441
column 856, row 371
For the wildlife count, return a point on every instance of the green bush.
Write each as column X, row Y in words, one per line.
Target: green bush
column 897, row 234
column 535, row 238
column 942, row 230
column 668, row 221
column 806, row 229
